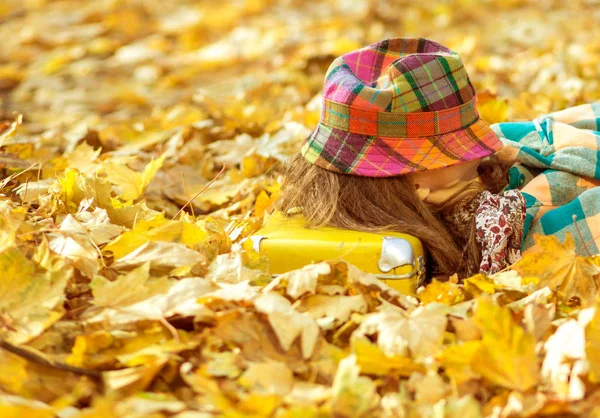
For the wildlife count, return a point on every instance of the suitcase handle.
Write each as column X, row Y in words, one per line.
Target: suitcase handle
column 395, row 252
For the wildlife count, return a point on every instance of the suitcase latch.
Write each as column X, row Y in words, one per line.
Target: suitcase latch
column 395, row 252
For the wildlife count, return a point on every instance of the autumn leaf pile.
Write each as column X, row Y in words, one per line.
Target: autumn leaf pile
column 142, row 141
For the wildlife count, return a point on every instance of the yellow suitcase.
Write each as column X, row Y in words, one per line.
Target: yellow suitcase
column 398, row 259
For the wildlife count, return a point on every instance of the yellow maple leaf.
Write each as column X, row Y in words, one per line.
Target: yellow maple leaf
column 101, row 349
column 8, row 229
column 8, row 129
column 133, row 379
column 373, row 361
column 48, row 259
column 263, row 202
column 491, row 109
column 29, row 301
column 14, row 372
column 127, row 289
column 507, row 355
column 441, row 292
column 90, row 344
column 465, row 407
column 287, row 323
column 254, row 406
column 10, row 74
column 74, row 187
column 131, row 183
column 29, row 409
column 83, row 158
column 225, row 364
column 56, row 63
column 254, row 165
column 558, row 266
column 156, row 229
column 269, row 378
column 353, row 395
column 479, row 284
column 456, row 360
column 592, row 346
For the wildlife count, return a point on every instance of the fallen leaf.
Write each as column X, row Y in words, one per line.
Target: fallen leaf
column 29, row 301
column 163, row 256
column 564, row 349
column 15, row 372
column 180, row 299
column 132, row 108
column 74, row 243
column 507, row 354
column 231, row 268
column 592, row 346
column 287, row 323
column 429, row 388
column 267, row 378
column 147, row 404
column 15, row 406
column 420, row 333
column 8, row 226
column 132, row 379
column 83, row 158
column 127, row 289
column 441, row 292
column 465, row 407
column 492, row 109
column 156, row 229
column 456, row 360
column 352, row 395
column 131, row 184
column 373, row 361
column 301, row 281
column 557, row 266
column 337, row 308
column 511, row 280
column 479, row 284
column 224, row 364
column 98, row 225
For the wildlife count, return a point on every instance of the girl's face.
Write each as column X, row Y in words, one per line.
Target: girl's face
column 439, row 186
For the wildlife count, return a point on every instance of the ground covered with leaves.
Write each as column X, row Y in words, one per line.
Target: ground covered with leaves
column 142, row 141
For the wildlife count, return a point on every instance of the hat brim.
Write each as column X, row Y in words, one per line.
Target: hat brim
column 369, row 156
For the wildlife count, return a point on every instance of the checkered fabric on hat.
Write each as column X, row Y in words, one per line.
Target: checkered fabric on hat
column 395, row 107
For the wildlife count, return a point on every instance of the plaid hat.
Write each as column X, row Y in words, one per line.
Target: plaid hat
column 395, row 107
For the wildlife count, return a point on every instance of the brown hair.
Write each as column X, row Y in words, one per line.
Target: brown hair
column 388, row 204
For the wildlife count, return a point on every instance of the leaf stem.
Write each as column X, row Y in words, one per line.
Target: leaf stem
column 34, row 357
column 201, row 190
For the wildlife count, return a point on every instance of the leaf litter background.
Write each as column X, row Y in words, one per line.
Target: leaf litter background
column 114, row 302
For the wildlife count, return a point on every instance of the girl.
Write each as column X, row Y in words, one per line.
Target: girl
column 400, row 146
